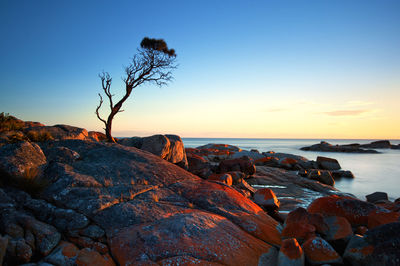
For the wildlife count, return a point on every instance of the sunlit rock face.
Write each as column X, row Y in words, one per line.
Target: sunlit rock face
column 114, row 202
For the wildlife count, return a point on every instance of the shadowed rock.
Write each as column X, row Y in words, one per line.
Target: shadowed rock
column 379, row 246
column 16, row 158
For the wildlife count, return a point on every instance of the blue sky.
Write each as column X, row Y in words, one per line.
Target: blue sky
column 246, row 68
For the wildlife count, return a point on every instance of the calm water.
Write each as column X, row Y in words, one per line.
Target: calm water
column 373, row 172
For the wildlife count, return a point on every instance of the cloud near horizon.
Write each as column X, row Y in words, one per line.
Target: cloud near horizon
column 346, row 112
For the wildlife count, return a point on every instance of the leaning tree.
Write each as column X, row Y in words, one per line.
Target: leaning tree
column 153, row 63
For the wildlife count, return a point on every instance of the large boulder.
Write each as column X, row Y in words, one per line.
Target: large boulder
column 156, row 144
column 177, row 154
column 16, row 159
column 168, row 147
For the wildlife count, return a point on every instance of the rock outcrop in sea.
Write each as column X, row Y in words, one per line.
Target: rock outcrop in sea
column 352, row 148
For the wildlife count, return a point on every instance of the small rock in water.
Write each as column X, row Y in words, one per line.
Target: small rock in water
column 324, row 177
column 328, row 163
column 377, row 196
column 342, row 173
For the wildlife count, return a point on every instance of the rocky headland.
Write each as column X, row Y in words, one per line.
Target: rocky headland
column 69, row 198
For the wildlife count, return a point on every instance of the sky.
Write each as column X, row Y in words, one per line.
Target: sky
column 247, row 69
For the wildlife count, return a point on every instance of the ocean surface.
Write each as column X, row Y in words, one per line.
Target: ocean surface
column 373, row 172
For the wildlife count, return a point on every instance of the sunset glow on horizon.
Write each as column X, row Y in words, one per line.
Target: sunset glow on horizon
column 265, row 69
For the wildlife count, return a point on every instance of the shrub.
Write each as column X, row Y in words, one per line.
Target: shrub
column 8, row 122
column 31, row 181
column 39, row 136
column 17, row 137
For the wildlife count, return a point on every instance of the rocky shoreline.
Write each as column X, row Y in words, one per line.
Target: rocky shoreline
column 69, row 198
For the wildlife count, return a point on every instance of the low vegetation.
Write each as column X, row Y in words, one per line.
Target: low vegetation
column 31, row 181
column 39, row 136
column 8, row 122
column 14, row 130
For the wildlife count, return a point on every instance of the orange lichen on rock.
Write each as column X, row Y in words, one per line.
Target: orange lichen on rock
column 318, row 251
column 354, row 210
column 338, row 228
column 377, row 218
column 301, row 231
column 87, row 257
column 261, row 226
column 291, row 248
column 224, row 178
column 68, row 250
column 264, row 160
column 289, row 161
column 199, row 234
column 266, row 197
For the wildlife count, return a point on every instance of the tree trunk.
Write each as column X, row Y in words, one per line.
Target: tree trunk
column 108, row 128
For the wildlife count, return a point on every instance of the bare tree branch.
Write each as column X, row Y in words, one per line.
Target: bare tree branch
column 97, row 111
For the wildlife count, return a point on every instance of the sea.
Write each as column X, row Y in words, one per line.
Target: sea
column 373, row 172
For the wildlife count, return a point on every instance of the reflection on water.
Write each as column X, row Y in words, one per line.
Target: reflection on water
column 373, row 172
